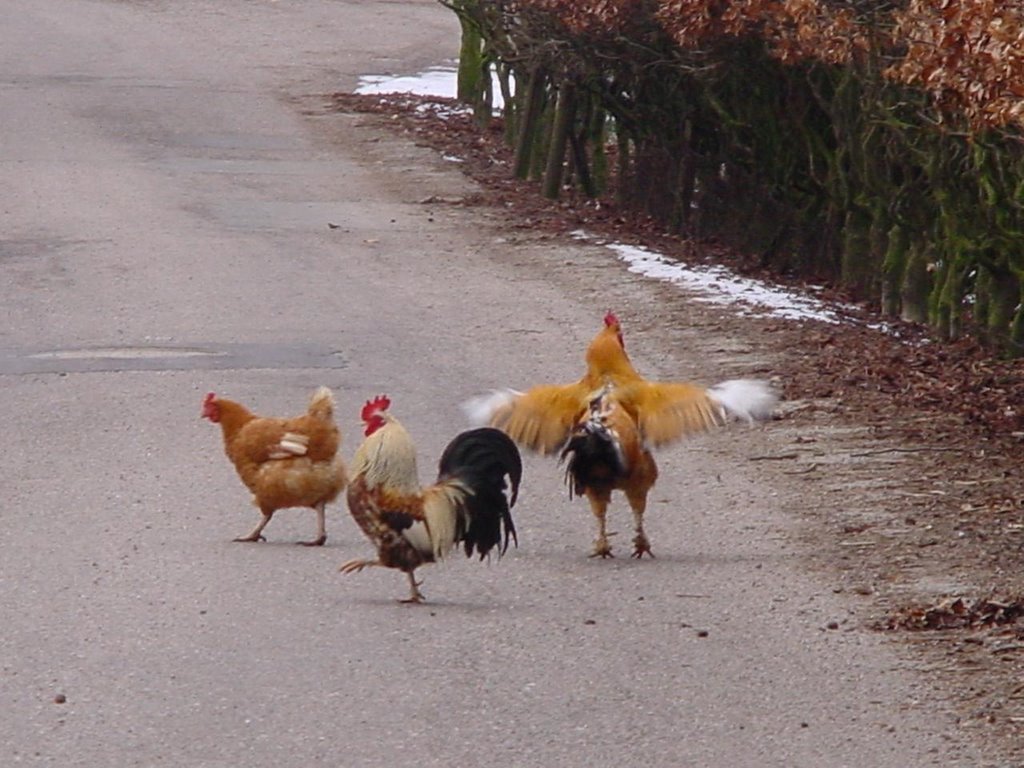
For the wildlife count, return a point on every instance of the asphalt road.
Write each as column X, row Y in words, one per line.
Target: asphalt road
column 168, row 174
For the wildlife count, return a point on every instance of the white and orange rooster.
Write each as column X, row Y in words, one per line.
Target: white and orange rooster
column 283, row 462
column 411, row 525
column 606, row 424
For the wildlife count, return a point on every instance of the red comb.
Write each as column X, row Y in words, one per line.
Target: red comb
column 210, row 397
column 378, row 404
column 611, row 319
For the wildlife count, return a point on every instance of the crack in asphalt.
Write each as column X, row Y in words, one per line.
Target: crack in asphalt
column 112, row 359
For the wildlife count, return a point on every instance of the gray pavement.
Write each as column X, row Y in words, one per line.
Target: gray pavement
column 168, row 171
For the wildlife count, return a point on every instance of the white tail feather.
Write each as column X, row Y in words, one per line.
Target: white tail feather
column 441, row 505
column 321, row 404
column 747, row 399
column 479, row 410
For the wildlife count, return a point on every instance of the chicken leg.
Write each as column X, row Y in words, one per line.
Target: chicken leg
column 256, row 534
column 638, row 503
column 354, row 566
column 321, row 527
column 642, row 479
column 599, row 506
column 415, row 596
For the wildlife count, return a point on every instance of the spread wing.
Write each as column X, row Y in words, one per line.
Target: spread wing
column 540, row 419
column 669, row 411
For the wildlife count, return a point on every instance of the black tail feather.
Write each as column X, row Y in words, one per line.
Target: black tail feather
column 482, row 458
column 594, row 458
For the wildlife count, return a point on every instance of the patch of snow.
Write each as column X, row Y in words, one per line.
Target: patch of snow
column 440, row 81
column 437, row 81
column 719, row 285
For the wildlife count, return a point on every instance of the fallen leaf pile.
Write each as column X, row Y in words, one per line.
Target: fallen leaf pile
column 958, row 613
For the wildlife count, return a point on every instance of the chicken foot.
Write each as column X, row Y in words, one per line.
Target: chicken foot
column 257, row 533
column 638, row 503
column 321, row 527
column 641, row 546
column 354, row 566
column 415, row 596
column 599, row 506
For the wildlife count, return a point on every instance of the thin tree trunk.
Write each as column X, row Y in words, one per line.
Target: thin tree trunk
column 1003, row 295
column 914, row 287
column 893, row 267
column 623, row 178
column 468, row 84
column 687, row 178
column 529, row 119
column 565, row 111
column 579, row 157
column 1015, row 344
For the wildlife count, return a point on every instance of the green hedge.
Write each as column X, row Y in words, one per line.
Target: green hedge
column 821, row 169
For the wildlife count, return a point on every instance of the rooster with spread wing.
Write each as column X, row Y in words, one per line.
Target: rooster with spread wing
column 605, row 425
column 411, row 525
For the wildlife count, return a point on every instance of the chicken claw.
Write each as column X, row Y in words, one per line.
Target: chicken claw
column 602, row 548
column 321, row 527
column 256, row 534
column 355, row 566
column 416, row 596
column 251, row 537
column 641, row 547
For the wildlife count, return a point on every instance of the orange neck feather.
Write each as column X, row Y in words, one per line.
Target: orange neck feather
column 233, row 416
column 606, row 356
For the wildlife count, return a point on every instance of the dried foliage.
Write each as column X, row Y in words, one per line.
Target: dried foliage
column 968, row 56
column 958, row 613
column 874, row 144
column 795, row 30
column 600, row 18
